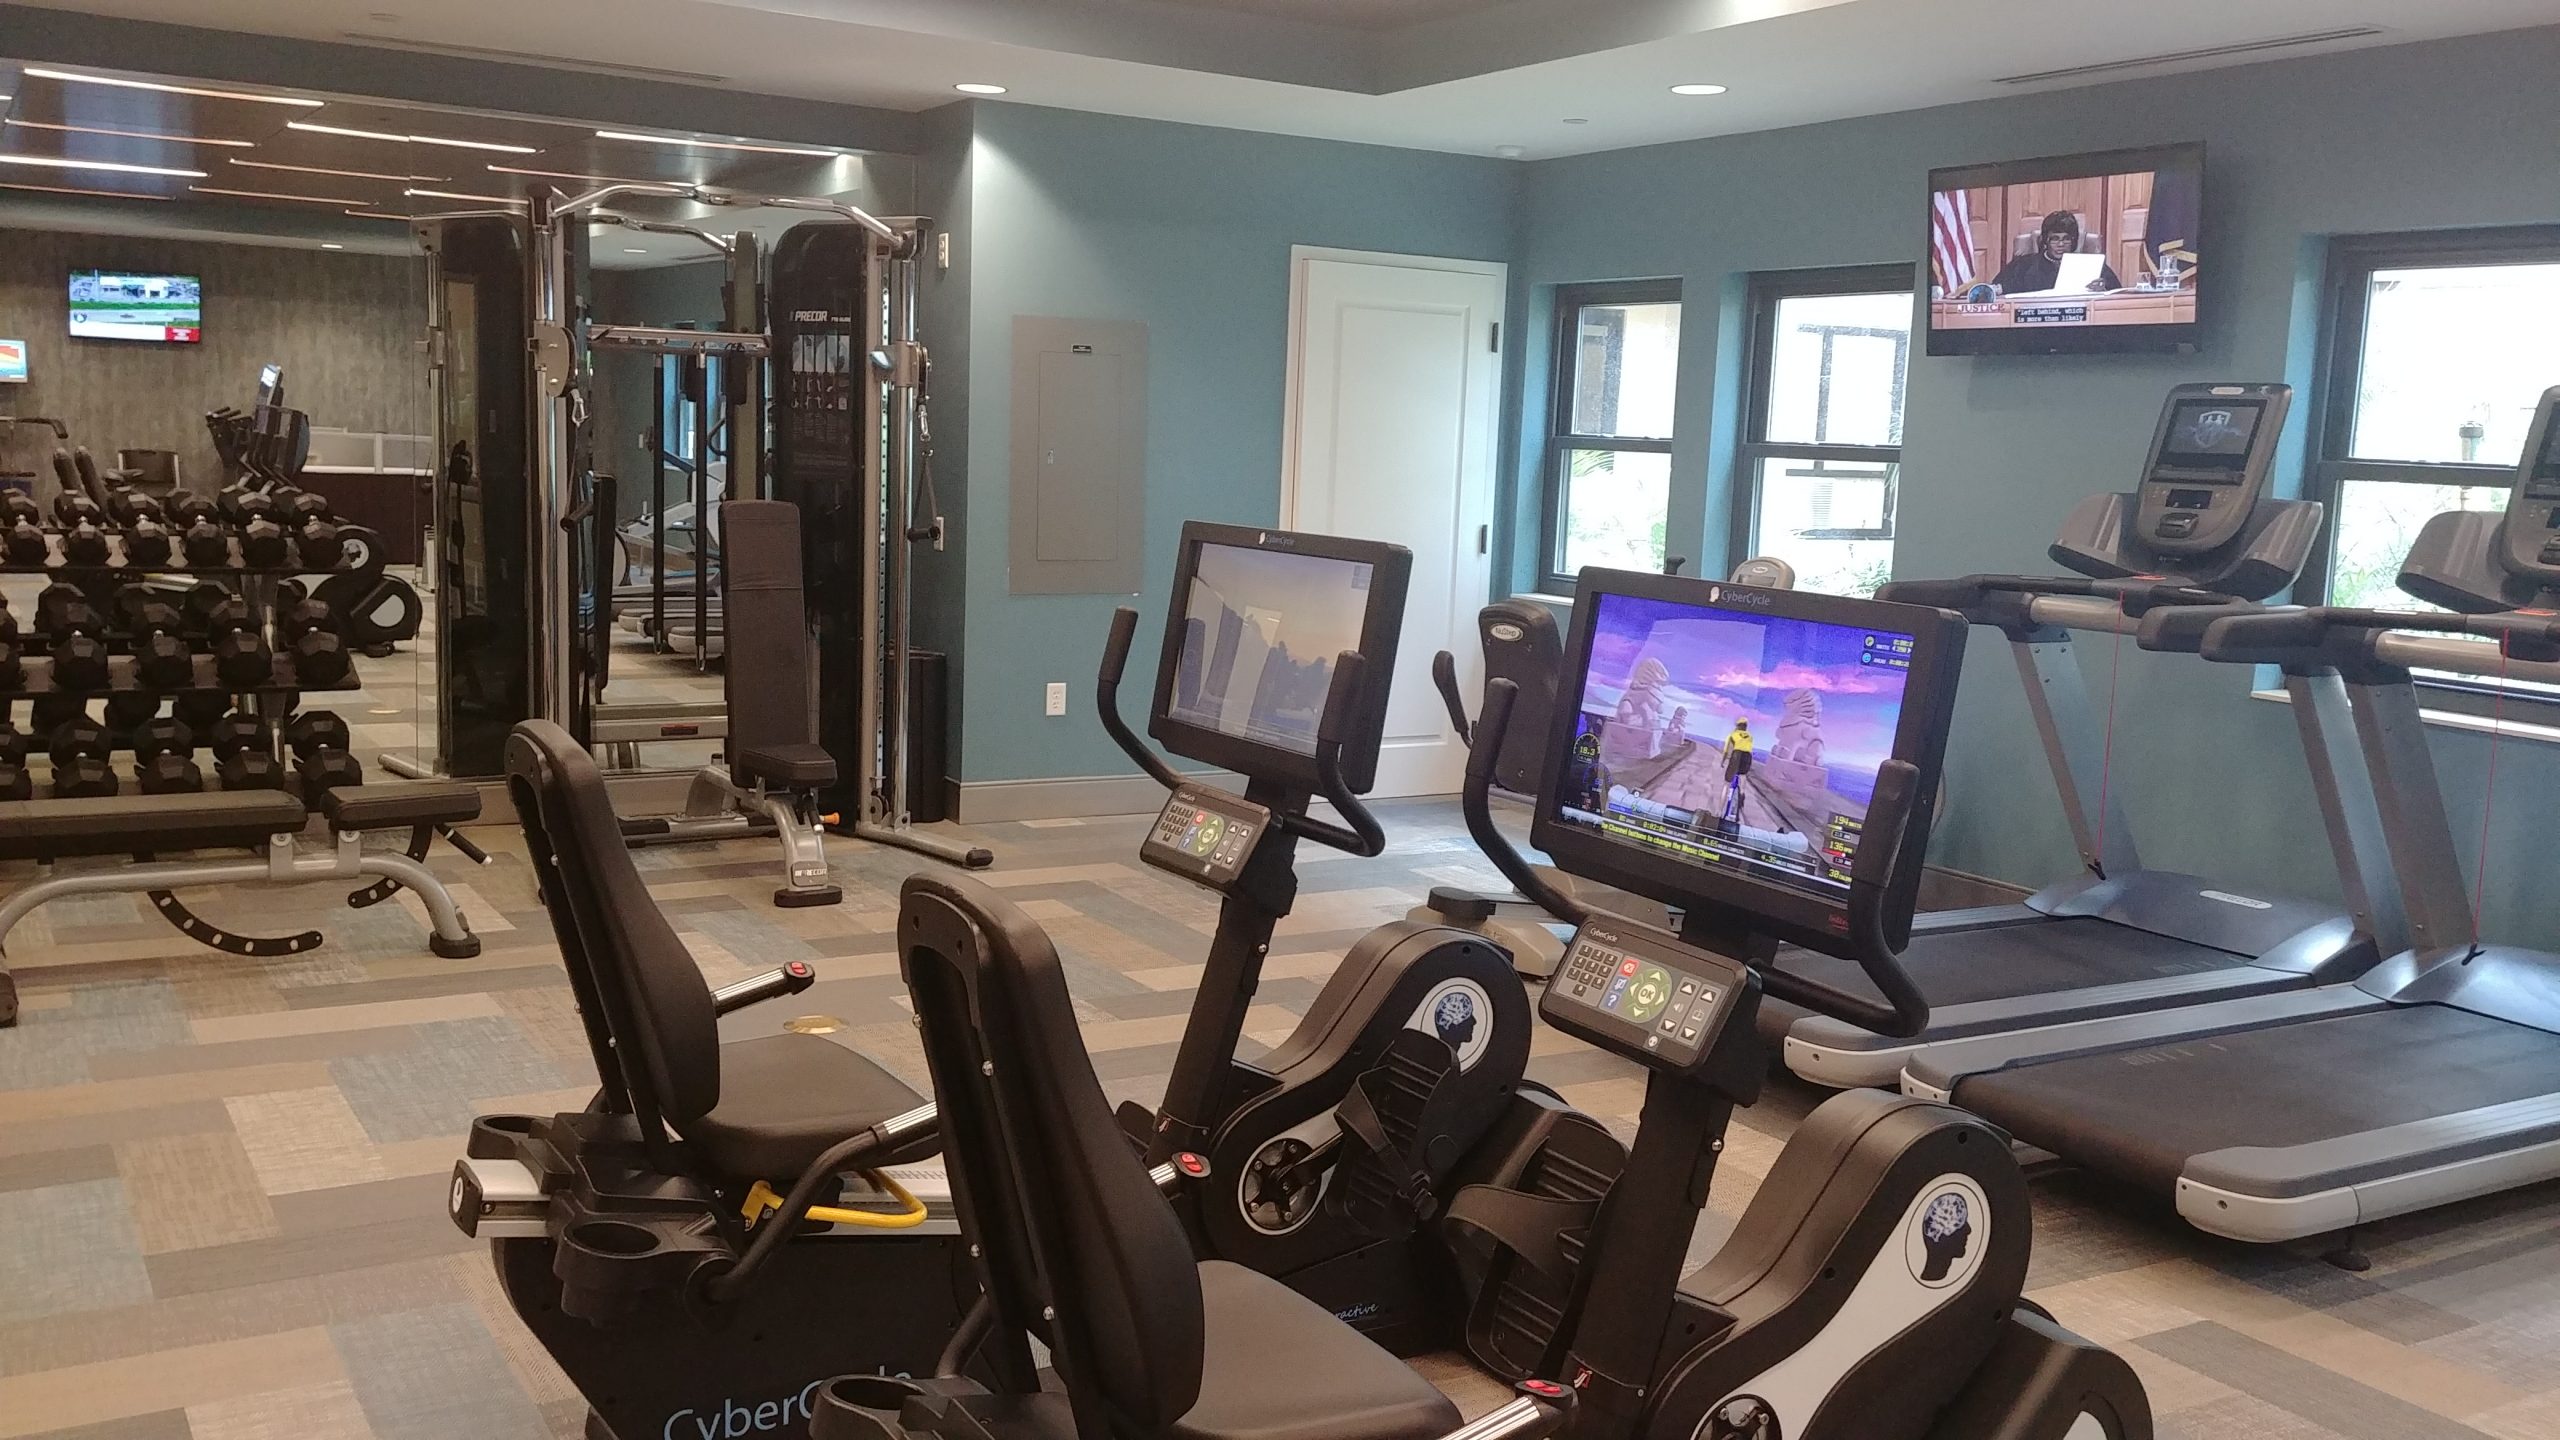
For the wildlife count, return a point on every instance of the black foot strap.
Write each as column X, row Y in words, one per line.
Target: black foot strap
column 1544, row 1231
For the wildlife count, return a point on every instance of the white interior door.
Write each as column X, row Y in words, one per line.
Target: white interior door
column 1394, row 382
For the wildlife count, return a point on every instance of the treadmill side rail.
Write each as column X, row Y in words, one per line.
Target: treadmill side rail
column 2269, row 1195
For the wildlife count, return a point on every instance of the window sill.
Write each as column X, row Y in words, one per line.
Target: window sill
column 2456, row 720
column 1563, row 603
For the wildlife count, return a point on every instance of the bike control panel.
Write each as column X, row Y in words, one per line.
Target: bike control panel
column 1643, row 994
column 1206, row 836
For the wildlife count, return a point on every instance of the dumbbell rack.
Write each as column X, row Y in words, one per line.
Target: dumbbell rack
column 273, row 701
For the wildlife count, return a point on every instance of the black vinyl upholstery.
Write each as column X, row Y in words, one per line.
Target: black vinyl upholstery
column 146, row 824
column 1149, row 1342
column 759, row 1109
column 769, row 671
column 386, row 807
column 1521, row 645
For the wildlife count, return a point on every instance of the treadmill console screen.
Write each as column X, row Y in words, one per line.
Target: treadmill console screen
column 1725, row 737
column 2209, row 440
column 1639, row 992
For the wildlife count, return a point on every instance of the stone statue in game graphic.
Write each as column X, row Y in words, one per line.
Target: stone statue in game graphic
column 1636, row 732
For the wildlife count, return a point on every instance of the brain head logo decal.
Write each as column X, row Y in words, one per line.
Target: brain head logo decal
column 1946, row 1231
column 1461, row 1014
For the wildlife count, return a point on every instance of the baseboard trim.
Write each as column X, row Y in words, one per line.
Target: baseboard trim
column 1072, row 797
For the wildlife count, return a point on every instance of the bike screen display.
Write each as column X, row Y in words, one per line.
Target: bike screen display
column 1732, row 739
column 1261, row 629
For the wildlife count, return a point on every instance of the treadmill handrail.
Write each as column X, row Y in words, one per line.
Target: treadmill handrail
column 2292, row 636
column 1905, row 1011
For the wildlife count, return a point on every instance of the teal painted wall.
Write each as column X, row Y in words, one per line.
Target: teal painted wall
column 2455, row 133
column 1187, row 230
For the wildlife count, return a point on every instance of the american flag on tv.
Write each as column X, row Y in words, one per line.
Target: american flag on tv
column 1950, row 240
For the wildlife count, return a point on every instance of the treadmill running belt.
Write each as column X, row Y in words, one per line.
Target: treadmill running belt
column 2036, row 958
column 2137, row 1115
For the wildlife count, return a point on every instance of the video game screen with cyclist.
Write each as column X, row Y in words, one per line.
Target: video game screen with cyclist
column 1733, row 739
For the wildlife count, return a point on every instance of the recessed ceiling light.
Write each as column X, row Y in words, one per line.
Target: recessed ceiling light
column 75, row 190
column 274, row 195
column 1576, row 120
column 453, row 195
column 134, row 134
column 633, row 250
column 978, row 87
column 122, row 84
column 1697, row 89
column 692, row 144
column 331, row 245
column 341, row 174
column 1510, row 152
column 413, row 139
column 110, row 167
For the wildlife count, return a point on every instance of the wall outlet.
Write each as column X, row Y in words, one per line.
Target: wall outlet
column 1056, row 703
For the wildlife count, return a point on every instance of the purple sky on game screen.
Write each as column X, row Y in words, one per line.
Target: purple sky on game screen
column 1726, row 663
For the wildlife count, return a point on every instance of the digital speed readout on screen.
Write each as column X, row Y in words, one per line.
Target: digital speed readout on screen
column 1731, row 739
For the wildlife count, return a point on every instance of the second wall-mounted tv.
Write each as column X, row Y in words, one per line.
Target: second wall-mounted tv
column 121, row 305
column 2070, row 254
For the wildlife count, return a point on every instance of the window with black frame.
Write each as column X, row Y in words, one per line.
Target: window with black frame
column 1617, row 373
column 2438, row 346
column 1821, row 451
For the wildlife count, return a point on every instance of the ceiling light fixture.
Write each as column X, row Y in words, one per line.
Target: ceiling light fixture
column 1700, row 88
column 75, row 190
column 413, row 139
column 453, row 195
column 120, row 83
column 1577, row 120
column 693, row 144
column 109, row 166
column 1511, row 152
column 274, row 195
column 633, row 250
column 589, row 179
column 341, row 174
column 134, row 134
column 331, row 245
column 978, row 87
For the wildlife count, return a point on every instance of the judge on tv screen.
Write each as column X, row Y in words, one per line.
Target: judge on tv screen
column 2091, row 251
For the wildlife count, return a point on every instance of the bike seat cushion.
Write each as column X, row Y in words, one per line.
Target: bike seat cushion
column 786, row 1098
column 1281, row 1367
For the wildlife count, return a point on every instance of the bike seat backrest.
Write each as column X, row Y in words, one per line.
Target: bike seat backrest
column 657, row 1007
column 769, row 661
column 1521, row 645
column 1048, row 1186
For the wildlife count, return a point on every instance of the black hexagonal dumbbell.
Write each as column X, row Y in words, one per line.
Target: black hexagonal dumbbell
column 156, row 631
column 201, row 709
column 79, row 649
column 201, row 537
column 147, row 542
column 164, row 758
column 241, row 659
column 15, row 783
column 320, row 742
column 244, row 753
column 307, row 633
column 262, row 533
column 84, row 536
column 315, row 530
column 127, row 712
column 12, row 673
column 80, row 749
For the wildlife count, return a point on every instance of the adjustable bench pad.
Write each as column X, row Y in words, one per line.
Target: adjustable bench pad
column 786, row 764
column 401, row 806
column 153, row 824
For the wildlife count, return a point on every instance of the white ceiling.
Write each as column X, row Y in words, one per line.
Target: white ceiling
column 1469, row 76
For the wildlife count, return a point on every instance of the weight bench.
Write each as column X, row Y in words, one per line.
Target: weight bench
column 774, row 770
column 264, row 821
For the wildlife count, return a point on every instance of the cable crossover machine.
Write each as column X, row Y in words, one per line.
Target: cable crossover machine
column 814, row 392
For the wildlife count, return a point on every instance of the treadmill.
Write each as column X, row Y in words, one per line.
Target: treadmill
column 2436, row 1077
column 2200, row 537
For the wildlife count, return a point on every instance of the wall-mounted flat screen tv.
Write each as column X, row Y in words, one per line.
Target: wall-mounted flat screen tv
column 2072, row 254
column 120, row 305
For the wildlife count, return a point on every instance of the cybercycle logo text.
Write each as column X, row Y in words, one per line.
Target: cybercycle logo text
column 731, row 1420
